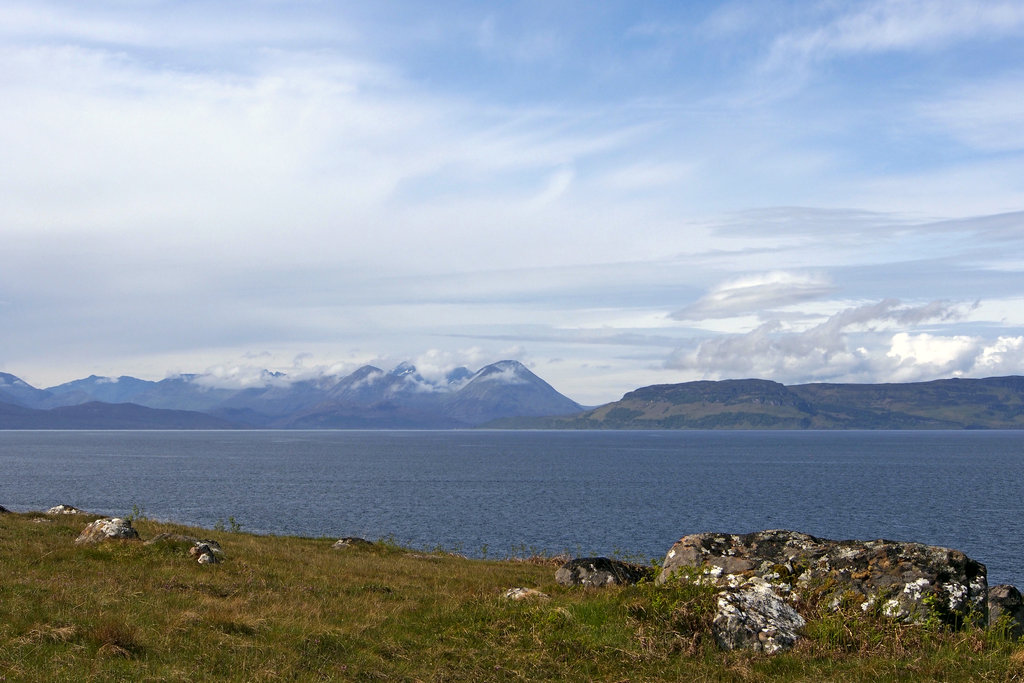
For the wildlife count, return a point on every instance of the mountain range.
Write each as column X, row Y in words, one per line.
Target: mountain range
column 503, row 395
column 369, row 398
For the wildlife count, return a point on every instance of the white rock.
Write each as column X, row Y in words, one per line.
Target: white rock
column 103, row 529
column 753, row 616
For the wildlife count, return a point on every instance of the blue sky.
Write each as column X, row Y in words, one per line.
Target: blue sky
column 616, row 194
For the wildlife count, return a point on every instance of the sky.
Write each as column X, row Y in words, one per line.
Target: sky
column 617, row 194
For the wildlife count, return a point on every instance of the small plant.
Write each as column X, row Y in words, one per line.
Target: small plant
column 934, row 618
column 232, row 525
column 684, row 605
column 137, row 514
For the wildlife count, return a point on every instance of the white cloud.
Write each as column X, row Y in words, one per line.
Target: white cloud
column 239, row 377
column 851, row 345
column 1005, row 355
column 434, row 364
column 932, row 355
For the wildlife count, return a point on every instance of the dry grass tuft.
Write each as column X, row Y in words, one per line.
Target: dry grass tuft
column 541, row 560
column 46, row 633
column 114, row 637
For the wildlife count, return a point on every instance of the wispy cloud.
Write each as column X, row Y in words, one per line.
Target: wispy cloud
column 887, row 25
column 757, row 293
column 988, row 116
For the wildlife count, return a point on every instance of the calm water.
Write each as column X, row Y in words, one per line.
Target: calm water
column 585, row 492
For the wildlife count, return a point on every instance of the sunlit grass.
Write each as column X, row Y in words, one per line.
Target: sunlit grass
column 286, row 608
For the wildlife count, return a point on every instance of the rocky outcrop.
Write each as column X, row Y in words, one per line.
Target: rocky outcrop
column 600, row 571
column 64, row 510
column 107, row 529
column 1006, row 610
column 351, row 542
column 203, row 550
column 906, row 581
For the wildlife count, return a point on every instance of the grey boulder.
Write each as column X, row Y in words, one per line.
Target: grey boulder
column 1006, row 610
column 600, row 571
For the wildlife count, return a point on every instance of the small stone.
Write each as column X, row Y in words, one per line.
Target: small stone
column 519, row 593
column 105, row 529
column 351, row 542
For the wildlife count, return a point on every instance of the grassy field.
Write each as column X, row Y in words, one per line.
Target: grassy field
column 286, row 608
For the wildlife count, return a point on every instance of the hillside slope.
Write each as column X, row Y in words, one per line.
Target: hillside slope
column 992, row 403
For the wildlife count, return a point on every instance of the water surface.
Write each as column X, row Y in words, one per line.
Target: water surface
column 498, row 492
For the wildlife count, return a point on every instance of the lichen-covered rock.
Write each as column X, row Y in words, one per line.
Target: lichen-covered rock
column 753, row 616
column 519, row 593
column 1006, row 609
column 600, row 571
column 351, row 542
column 64, row 510
column 197, row 548
column 107, row 529
column 907, row 581
column 204, row 553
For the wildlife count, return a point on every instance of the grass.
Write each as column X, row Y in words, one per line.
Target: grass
column 293, row 609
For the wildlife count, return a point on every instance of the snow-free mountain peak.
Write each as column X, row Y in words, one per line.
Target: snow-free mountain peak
column 16, row 391
column 9, row 380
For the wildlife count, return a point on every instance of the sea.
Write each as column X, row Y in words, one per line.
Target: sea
column 480, row 493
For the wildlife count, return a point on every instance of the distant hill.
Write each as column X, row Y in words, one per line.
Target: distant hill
column 993, row 403
column 96, row 415
column 95, row 388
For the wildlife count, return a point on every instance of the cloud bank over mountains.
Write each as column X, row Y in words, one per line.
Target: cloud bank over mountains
column 617, row 196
